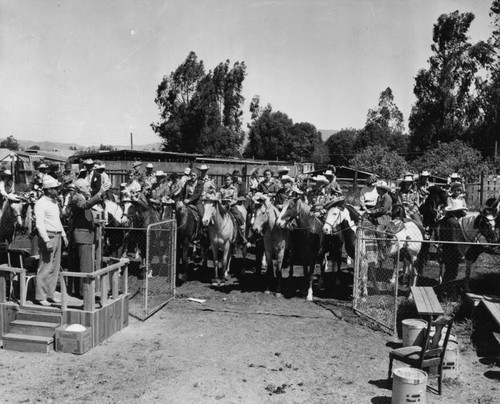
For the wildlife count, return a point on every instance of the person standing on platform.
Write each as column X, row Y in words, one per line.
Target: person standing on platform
column 51, row 234
column 83, row 227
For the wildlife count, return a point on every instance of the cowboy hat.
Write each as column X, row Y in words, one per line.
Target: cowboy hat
column 335, row 201
column 454, row 176
column 408, row 178
column 50, row 182
column 236, row 173
column 136, row 164
column 321, row 179
column 160, row 173
column 425, row 173
column 149, row 165
column 383, row 185
column 42, row 165
column 287, row 178
column 283, row 170
column 454, row 206
column 88, row 162
column 187, row 171
column 100, row 166
column 328, row 173
column 7, row 172
column 203, row 167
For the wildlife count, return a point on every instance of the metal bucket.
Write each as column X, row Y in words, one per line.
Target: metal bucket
column 413, row 331
column 409, row 386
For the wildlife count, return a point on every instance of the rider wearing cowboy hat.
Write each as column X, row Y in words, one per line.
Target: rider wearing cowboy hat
column 7, row 188
column 381, row 214
column 317, row 196
column 333, row 188
column 408, row 198
column 368, row 195
column 208, row 185
column 229, row 198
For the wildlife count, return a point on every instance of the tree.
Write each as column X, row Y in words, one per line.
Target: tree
column 10, row 143
column 453, row 157
column 340, row 146
column 34, row 147
column 381, row 161
column 302, row 142
column 387, row 114
column 268, row 134
column 197, row 107
column 445, row 109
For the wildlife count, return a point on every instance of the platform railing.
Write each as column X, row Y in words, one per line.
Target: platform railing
column 98, row 282
column 22, row 283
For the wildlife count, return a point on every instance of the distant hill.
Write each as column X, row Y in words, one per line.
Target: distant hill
column 326, row 133
column 63, row 147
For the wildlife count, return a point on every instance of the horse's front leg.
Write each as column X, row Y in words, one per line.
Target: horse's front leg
column 215, row 259
column 309, row 278
column 185, row 259
column 226, row 259
column 268, row 256
column 279, row 268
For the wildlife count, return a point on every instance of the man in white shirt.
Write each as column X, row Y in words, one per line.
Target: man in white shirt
column 50, row 237
column 368, row 195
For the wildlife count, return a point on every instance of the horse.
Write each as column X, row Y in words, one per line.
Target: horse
column 15, row 217
column 309, row 234
column 340, row 231
column 186, row 233
column 478, row 228
column 114, row 237
column 431, row 207
column 275, row 239
column 222, row 234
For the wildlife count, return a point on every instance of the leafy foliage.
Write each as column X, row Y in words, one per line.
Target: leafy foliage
column 387, row 114
column 197, row 107
column 340, row 146
column 453, row 157
column 447, row 107
column 381, row 161
column 10, row 143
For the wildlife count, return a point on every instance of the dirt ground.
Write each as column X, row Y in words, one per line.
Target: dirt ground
column 239, row 346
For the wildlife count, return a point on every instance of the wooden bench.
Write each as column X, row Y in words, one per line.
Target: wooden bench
column 426, row 301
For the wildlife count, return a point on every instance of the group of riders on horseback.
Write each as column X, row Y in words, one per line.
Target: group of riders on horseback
column 415, row 200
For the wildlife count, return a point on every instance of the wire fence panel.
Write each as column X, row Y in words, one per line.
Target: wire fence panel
column 376, row 268
column 152, row 255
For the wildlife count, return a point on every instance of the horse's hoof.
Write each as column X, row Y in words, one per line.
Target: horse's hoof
column 215, row 283
column 278, row 295
column 267, row 292
column 309, row 299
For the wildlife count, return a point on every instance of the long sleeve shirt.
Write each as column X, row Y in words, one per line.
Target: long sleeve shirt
column 48, row 217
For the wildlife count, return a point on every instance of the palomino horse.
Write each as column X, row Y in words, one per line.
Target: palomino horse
column 478, row 228
column 308, row 233
column 186, row 233
column 275, row 239
column 222, row 233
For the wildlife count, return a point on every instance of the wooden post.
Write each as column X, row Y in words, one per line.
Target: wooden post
column 89, row 288
column 355, row 186
column 481, row 189
column 2, row 287
column 115, row 284
column 22, row 287
column 64, row 301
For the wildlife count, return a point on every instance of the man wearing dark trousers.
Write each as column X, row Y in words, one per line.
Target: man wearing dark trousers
column 50, row 237
column 83, row 227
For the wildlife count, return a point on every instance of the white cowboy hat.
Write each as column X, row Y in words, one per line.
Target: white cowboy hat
column 149, row 165
column 88, row 162
column 203, row 167
column 454, row 176
column 50, row 182
column 42, row 165
column 321, row 179
column 283, row 170
column 328, row 173
column 187, row 171
column 383, row 185
column 455, row 205
column 7, row 172
column 425, row 173
column 408, row 178
column 100, row 166
column 287, row 178
column 160, row 173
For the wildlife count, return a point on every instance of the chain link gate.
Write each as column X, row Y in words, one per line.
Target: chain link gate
column 158, row 284
column 376, row 270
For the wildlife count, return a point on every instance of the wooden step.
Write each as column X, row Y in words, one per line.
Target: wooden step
column 27, row 327
column 27, row 343
column 44, row 316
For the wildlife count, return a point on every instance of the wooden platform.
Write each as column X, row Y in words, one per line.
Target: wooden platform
column 477, row 298
column 426, row 301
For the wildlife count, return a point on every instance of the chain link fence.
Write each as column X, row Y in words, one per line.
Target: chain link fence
column 152, row 254
column 376, row 269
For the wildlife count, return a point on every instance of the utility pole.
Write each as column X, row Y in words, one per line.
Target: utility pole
column 131, row 141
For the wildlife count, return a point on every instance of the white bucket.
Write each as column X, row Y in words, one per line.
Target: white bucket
column 413, row 331
column 450, row 362
column 409, row 386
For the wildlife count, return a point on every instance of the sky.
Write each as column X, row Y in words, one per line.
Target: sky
column 86, row 72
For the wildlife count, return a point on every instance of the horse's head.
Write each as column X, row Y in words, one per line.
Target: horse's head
column 16, row 208
column 289, row 210
column 260, row 218
column 333, row 220
column 486, row 223
column 209, row 210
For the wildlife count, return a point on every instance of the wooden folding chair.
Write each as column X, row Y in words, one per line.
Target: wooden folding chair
column 430, row 354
